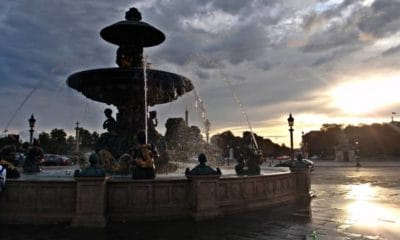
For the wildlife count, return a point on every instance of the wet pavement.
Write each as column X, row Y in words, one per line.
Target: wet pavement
column 350, row 203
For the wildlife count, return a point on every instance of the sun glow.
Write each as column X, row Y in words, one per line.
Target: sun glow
column 367, row 95
column 365, row 211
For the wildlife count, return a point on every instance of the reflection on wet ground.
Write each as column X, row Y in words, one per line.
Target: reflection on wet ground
column 350, row 204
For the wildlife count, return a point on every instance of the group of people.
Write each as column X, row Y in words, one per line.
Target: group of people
column 139, row 161
column 8, row 163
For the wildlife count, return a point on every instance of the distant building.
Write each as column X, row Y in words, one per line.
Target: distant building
column 344, row 151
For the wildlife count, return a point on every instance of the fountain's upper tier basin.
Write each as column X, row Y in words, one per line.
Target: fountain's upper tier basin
column 132, row 32
column 119, row 86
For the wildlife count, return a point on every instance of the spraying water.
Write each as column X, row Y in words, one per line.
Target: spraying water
column 200, row 109
column 226, row 79
column 146, row 109
column 29, row 95
column 239, row 102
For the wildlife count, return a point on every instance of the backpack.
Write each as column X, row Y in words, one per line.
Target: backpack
column 3, row 174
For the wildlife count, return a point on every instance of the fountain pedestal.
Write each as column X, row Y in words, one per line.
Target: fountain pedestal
column 90, row 202
column 204, row 196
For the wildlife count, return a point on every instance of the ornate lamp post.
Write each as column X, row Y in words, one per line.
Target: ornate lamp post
column 77, row 137
column 357, row 155
column 32, row 121
column 291, row 122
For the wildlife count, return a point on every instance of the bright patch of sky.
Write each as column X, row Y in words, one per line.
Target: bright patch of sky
column 367, row 3
column 214, row 21
column 367, row 95
column 325, row 6
column 388, row 42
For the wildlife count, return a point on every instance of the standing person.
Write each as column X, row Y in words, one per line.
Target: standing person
column 34, row 158
column 143, row 158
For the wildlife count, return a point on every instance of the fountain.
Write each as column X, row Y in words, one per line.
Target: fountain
column 92, row 198
column 125, row 87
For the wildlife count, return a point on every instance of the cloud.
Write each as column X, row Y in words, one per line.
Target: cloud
column 391, row 51
column 279, row 55
column 382, row 19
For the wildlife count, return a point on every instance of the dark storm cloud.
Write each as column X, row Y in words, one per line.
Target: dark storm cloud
column 328, row 40
column 339, row 30
column 243, row 40
column 348, row 21
column 383, row 18
column 334, row 55
column 49, row 36
column 202, row 74
column 391, row 51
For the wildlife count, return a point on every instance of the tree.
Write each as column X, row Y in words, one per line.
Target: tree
column 45, row 141
column 58, row 142
column 86, row 140
column 71, row 143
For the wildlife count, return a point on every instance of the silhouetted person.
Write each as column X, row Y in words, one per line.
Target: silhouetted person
column 202, row 168
column 110, row 123
column 249, row 167
column 3, row 176
column 34, row 158
column 7, row 157
column 299, row 163
column 143, row 158
column 92, row 170
column 240, row 167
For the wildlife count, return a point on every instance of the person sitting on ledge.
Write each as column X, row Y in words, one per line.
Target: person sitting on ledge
column 241, row 167
column 202, row 168
column 299, row 163
column 3, row 176
column 92, row 170
column 249, row 167
column 143, row 158
column 7, row 157
column 34, row 158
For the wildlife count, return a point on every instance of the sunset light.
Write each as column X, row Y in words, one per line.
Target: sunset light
column 366, row 95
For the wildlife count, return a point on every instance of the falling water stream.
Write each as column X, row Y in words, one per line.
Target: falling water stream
column 235, row 94
column 27, row 97
column 229, row 83
column 146, row 109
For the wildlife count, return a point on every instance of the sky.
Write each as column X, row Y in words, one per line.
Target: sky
column 252, row 62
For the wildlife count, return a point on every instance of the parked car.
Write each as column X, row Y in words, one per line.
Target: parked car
column 56, row 160
column 291, row 163
column 19, row 159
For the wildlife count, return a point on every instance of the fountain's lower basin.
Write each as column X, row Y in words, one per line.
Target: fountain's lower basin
column 96, row 201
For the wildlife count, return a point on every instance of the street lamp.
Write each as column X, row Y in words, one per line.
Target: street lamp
column 77, row 137
column 357, row 150
column 32, row 121
column 227, row 147
column 291, row 122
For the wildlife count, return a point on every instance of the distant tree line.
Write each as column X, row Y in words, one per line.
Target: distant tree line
column 375, row 140
column 241, row 145
column 57, row 141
